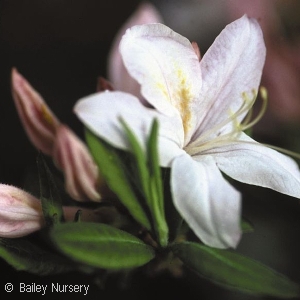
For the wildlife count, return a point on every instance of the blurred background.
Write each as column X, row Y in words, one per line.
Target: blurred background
column 61, row 48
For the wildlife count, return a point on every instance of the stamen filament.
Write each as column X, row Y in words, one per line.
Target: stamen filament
column 245, row 107
column 203, row 143
column 261, row 113
column 282, row 150
column 276, row 148
column 219, row 141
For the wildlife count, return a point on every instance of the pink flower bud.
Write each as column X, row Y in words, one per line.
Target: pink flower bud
column 20, row 212
column 38, row 120
column 73, row 158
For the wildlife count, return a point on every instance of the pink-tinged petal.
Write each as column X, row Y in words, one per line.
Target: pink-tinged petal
column 197, row 50
column 104, row 85
column 117, row 73
column 37, row 118
column 102, row 112
column 231, row 66
column 80, row 172
column 20, row 212
column 167, row 67
column 206, row 201
column 250, row 162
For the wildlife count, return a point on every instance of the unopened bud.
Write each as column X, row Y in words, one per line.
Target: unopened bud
column 81, row 173
column 37, row 118
column 20, row 212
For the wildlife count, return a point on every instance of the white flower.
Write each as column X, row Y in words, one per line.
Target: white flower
column 200, row 106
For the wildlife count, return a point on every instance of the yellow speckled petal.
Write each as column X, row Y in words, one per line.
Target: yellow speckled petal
column 167, row 67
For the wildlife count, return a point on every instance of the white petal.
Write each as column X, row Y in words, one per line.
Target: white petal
column 117, row 74
column 250, row 162
column 166, row 66
column 231, row 66
column 207, row 202
column 101, row 113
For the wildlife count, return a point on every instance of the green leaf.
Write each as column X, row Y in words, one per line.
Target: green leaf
column 100, row 245
column 156, row 186
column 246, row 226
column 233, row 270
column 149, row 179
column 49, row 193
column 112, row 169
column 140, row 161
column 174, row 219
column 153, row 163
column 24, row 255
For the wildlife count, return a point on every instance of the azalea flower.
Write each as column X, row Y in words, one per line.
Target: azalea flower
column 201, row 108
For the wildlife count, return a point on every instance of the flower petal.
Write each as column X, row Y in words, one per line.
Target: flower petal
column 101, row 113
column 253, row 163
column 207, row 202
column 117, row 73
column 166, row 66
column 231, row 66
column 38, row 120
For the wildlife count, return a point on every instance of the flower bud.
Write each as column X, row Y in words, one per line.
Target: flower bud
column 73, row 158
column 20, row 212
column 37, row 118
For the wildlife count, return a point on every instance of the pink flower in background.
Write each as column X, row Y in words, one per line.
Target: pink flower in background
column 117, row 73
column 281, row 74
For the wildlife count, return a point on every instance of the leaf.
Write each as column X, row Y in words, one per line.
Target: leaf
column 100, row 245
column 140, row 160
column 246, row 226
column 149, row 179
column 174, row 219
column 111, row 168
column 49, row 193
column 24, row 255
column 232, row 270
column 156, row 186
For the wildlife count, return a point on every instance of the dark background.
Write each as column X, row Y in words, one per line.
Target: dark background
column 61, row 47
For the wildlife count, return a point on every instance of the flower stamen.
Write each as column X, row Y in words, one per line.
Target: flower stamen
column 204, row 143
column 246, row 123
